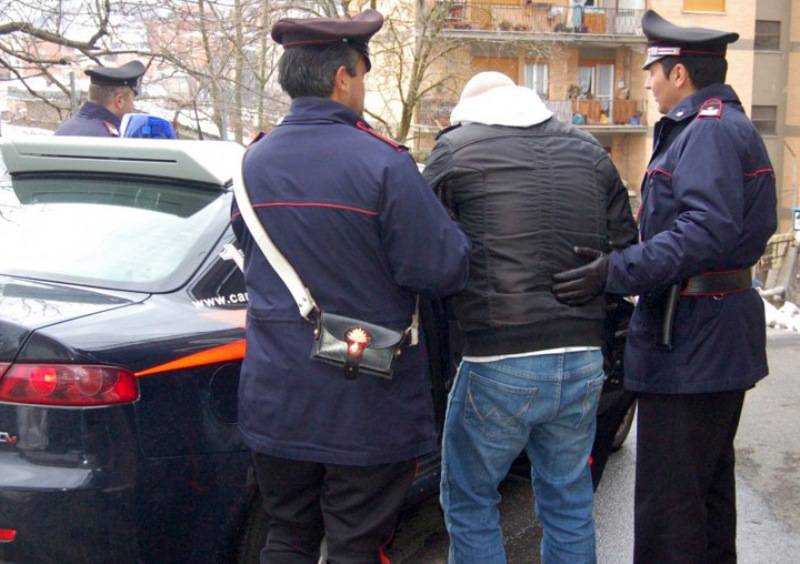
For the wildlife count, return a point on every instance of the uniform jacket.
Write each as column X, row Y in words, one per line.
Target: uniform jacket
column 92, row 120
column 526, row 196
column 364, row 231
column 708, row 205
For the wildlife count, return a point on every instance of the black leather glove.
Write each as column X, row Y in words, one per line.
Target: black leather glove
column 583, row 284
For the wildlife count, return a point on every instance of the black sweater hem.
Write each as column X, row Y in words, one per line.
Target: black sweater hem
column 534, row 337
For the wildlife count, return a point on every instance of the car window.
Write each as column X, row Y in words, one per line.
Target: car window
column 128, row 233
column 221, row 286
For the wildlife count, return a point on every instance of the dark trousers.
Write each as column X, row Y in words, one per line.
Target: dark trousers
column 354, row 507
column 685, row 499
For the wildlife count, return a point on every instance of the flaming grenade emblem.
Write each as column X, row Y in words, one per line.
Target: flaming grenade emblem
column 357, row 341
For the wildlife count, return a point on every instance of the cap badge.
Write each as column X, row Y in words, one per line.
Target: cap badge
column 659, row 51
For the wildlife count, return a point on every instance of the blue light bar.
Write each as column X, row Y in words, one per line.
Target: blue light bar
column 146, row 126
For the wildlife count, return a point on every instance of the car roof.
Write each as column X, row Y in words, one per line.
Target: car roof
column 200, row 161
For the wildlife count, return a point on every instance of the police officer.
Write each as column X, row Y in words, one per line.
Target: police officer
column 708, row 209
column 111, row 94
column 351, row 213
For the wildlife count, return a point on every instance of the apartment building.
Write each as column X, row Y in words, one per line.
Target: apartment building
column 764, row 69
column 584, row 58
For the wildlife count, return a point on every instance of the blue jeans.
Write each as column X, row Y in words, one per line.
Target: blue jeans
column 545, row 406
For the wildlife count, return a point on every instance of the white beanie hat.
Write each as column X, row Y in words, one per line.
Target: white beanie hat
column 492, row 98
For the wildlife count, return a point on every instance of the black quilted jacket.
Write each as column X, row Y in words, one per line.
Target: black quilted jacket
column 525, row 196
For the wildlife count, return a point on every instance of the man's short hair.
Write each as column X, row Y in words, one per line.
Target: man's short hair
column 103, row 94
column 310, row 70
column 703, row 71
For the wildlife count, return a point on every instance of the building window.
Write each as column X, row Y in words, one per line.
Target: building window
column 585, row 80
column 765, row 119
column 768, row 36
column 597, row 81
column 536, row 79
column 704, row 5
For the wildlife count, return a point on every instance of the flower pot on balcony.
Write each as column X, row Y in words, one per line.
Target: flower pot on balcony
column 456, row 12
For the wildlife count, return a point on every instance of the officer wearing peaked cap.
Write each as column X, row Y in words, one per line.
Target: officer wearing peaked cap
column 111, row 95
column 697, row 340
column 351, row 213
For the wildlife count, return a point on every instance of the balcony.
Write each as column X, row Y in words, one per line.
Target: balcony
column 595, row 115
column 542, row 21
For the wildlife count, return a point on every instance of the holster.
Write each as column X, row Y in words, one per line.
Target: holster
column 705, row 284
column 669, row 307
column 378, row 346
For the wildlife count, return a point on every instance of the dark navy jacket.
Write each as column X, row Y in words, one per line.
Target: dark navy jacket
column 708, row 205
column 364, row 231
column 92, row 120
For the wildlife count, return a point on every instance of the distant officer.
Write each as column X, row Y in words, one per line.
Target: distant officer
column 111, row 94
column 708, row 209
column 352, row 214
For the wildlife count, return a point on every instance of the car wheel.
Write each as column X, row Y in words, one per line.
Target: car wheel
column 624, row 428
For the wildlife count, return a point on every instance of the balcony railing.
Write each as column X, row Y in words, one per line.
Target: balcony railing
column 595, row 111
column 591, row 112
column 539, row 17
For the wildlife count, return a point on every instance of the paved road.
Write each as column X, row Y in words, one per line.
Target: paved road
column 768, row 462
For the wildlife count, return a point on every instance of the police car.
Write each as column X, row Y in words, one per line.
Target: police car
column 122, row 311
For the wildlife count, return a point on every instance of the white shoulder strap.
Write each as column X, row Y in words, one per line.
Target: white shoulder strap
column 302, row 297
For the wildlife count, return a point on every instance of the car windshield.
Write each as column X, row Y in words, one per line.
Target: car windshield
column 125, row 233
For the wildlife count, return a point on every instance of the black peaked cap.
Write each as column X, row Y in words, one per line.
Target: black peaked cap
column 665, row 39
column 356, row 32
column 128, row 74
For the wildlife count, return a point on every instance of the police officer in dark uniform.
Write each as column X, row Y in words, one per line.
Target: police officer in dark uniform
column 697, row 340
column 365, row 233
column 111, row 94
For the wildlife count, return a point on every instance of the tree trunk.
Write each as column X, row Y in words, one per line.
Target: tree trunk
column 237, row 117
column 262, row 66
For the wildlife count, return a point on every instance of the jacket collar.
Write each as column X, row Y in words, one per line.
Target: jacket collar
column 320, row 110
column 690, row 106
column 96, row 111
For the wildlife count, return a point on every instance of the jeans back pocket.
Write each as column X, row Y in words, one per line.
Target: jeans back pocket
column 498, row 409
column 591, row 399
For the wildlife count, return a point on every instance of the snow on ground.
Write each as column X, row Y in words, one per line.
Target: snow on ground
column 8, row 130
column 787, row 317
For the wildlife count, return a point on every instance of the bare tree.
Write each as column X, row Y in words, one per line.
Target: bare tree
column 213, row 60
column 222, row 46
column 37, row 37
column 410, row 50
column 425, row 66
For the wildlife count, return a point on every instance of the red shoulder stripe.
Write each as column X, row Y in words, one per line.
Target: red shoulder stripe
column 711, row 109
column 658, row 170
column 340, row 207
column 391, row 142
column 258, row 137
column 759, row 171
column 111, row 128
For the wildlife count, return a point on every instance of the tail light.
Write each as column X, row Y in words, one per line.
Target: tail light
column 8, row 535
column 67, row 385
